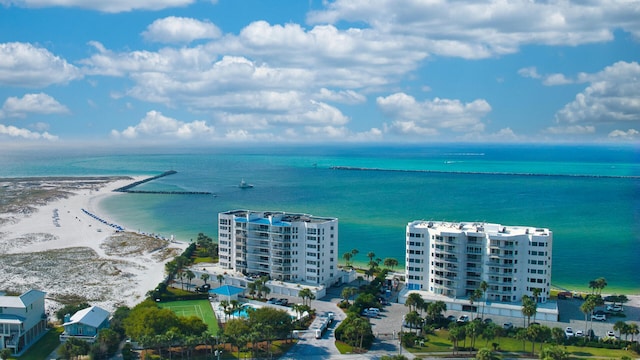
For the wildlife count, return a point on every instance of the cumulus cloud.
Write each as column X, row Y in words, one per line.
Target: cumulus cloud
column 613, row 96
column 529, row 72
column 631, row 134
column 556, row 79
column 25, row 65
column 180, row 30
column 479, row 29
column 13, row 132
column 156, row 125
column 109, row 6
column 31, row 104
column 431, row 116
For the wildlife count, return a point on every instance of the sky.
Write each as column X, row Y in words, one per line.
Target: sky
column 211, row 72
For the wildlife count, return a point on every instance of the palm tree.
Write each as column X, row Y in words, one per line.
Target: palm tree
column 558, row 335
column 413, row 319
column 354, row 252
column 306, row 294
column 619, row 326
column 390, row 263
column 587, row 308
column 483, row 287
column 252, row 286
column 414, row 301
column 205, row 277
column 190, row 276
column 347, row 258
column 347, row 293
column 633, row 330
column 601, row 283
column 220, row 278
column 529, row 308
column 371, row 255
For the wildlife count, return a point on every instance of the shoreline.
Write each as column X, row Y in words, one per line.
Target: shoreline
column 53, row 245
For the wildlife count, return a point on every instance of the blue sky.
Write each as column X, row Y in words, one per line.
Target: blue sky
column 307, row 71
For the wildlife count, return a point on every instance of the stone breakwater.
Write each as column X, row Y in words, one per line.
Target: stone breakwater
column 129, row 188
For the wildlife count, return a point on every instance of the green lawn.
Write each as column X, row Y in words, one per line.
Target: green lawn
column 440, row 343
column 45, row 346
column 199, row 308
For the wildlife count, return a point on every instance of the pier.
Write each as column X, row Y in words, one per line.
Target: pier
column 129, row 188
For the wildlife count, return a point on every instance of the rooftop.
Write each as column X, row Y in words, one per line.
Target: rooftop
column 479, row 227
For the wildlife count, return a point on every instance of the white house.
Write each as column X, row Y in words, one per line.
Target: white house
column 22, row 320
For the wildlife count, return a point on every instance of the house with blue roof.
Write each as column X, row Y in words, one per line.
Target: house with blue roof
column 85, row 324
column 22, row 321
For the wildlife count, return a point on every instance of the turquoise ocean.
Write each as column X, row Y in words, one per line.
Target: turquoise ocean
column 589, row 196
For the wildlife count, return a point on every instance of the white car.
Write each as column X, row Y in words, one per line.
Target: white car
column 579, row 333
column 610, row 333
column 568, row 332
column 599, row 317
column 616, row 308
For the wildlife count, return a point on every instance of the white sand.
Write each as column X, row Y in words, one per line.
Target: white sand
column 86, row 268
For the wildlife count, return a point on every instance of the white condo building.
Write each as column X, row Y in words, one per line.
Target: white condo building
column 287, row 247
column 452, row 259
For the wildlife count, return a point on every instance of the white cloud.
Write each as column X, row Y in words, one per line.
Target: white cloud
column 479, row 29
column 341, row 96
column 109, row 6
column 15, row 132
column 431, row 116
column 529, row 72
column 180, row 30
column 556, row 79
column 571, row 130
column 631, row 134
column 156, row 125
column 25, row 65
column 613, row 96
column 32, row 104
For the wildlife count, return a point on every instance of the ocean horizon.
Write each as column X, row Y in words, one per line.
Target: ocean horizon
column 589, row 196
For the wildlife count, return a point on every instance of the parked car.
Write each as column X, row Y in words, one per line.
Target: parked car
column 451, row 318
column 272, row 301
column 507, row 326
column 599, row 317
column 463, row 319
column 564, row 295
column 579, row 333
column 610, row 333
column 615, row 308
column 568, row 332
column 487, row 321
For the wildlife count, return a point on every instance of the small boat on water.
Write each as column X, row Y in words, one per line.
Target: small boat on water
column 244, row 185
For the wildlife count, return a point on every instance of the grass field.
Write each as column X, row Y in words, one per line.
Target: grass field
column 199, row 308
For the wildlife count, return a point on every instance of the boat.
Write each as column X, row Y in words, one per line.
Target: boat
column 244, row 185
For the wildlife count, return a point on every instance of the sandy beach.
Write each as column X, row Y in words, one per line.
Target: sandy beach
column 53, row 238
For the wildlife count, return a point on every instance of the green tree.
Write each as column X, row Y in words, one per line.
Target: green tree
column 355, row 331
column 73, row 348
column 106, row 344
column 620, row 327
column 414, row 301
column 347, row 258
column 413, row 319
column 633, row 330
column 485, row 354
column 147, row 320
column 554, row 352
column 354, row 252
column 234, row 330
column 483, row 288
column 5, row 353
column 306, row 295
column 220, row 278
column 558, row 336
column 390, row 263
column 587, row 308
column 205, row 277
column 456, row 333
column 190, row 276
column 347, row 293
column 529, row 308
column 435, row 310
